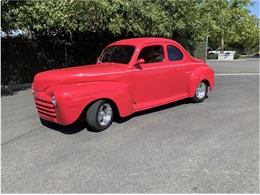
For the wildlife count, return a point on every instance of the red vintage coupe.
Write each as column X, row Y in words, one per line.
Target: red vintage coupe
column 130, row 75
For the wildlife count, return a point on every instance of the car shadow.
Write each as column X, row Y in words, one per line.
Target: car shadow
column 81, row 124
column 70, row 129
column 151, row 110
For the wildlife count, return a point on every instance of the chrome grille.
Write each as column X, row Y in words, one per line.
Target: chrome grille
column 45, row 108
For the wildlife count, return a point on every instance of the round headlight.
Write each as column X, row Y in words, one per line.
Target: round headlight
column 53, row 99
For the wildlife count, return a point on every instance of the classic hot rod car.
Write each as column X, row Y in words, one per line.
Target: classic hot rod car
column 130, row 75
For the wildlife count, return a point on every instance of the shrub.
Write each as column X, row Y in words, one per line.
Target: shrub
column 212, row 56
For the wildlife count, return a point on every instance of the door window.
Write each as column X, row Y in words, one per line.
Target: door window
column 117, row 54
column 152, row 54
column 174, row 53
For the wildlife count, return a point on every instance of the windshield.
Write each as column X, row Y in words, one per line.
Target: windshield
column 117, row 54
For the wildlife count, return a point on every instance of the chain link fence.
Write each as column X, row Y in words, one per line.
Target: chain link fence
column 23, row 58
column 199, row 50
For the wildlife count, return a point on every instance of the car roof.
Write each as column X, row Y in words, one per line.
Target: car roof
column 142, row 40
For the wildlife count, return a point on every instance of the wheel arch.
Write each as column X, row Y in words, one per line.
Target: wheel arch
column 202, row 74
column 111, row 101
column 207, row 82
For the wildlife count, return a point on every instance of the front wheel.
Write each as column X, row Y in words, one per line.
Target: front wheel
column 99, row 116
column 201, row 92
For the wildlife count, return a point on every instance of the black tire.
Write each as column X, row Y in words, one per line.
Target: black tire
column 198, row 99
column 93, row 122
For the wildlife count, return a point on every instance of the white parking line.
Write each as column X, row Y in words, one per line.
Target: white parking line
column 237, row 74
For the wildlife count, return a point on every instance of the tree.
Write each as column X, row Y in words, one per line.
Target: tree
column 230, row 22
column 184, row 20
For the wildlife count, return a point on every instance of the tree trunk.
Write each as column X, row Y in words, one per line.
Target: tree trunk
column 222, row 43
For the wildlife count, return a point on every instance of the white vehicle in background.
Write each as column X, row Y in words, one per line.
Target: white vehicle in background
column 225, row 55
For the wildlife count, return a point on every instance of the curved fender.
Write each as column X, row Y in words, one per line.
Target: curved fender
column 73, row 99
column 202, row 73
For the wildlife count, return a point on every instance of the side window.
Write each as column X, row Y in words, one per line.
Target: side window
column 174, row 53
column 152, row 54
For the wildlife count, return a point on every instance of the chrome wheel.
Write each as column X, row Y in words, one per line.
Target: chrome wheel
column 201, row 90
column 105, row 114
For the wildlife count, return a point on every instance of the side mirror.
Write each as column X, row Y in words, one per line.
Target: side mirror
column 140, row 61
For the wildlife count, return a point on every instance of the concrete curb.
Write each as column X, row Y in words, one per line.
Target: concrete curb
column 10, row 89
column 236, row 60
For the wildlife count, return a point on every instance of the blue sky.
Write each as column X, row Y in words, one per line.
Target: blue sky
column 255, row 9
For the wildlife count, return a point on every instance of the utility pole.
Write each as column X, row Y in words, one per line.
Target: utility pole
column 206, row 44
column 222, row 31
column 207, row 39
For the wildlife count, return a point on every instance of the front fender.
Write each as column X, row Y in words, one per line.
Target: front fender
column 202, row 73
column 73, row 99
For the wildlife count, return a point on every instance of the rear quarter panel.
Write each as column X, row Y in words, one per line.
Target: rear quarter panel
column 200, row 72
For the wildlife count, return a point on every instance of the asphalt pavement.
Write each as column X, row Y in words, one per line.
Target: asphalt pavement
column 211, row 147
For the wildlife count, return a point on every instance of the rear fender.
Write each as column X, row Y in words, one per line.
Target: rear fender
column 202, row 73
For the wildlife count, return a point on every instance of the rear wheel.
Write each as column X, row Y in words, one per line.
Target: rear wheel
column 201, row 92
column 99, row 116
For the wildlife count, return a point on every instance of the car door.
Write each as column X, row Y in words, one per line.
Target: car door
column 152, row 79
column 181, row 70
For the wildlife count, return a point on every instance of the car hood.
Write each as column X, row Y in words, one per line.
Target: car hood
column 79, row 74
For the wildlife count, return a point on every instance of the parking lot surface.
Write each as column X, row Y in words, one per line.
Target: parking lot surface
column 182, row 147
